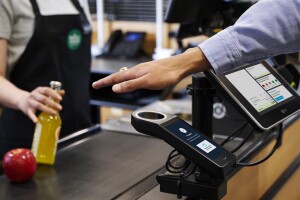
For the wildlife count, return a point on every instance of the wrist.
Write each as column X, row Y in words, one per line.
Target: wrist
column 20, row 102
column 197, row 61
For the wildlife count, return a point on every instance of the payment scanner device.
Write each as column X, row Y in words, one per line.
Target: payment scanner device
column 259, row 93
column 193, row 144
column 207, row 179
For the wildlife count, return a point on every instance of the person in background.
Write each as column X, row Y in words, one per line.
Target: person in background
column 41, row 41
column 266, row 29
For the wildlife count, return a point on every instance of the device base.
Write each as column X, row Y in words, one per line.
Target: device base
column 189, row 188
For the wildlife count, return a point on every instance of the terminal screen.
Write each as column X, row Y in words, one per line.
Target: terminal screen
column 261, row 89
column 190, row 136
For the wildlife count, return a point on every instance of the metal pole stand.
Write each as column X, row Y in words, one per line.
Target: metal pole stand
column 202, row 104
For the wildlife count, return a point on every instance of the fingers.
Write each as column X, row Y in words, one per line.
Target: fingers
column 141, row 76
column 61, row 92
column 124, row 81
column 32, row 116
column 42, row 99
column 48, row 92
column 109, row 80
column 37, row 105
column 129, row 86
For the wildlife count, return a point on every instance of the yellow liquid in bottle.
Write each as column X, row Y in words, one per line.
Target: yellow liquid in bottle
column 46, row 135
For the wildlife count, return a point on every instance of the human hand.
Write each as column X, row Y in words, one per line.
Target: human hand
column 42, row 98
column 156, row 75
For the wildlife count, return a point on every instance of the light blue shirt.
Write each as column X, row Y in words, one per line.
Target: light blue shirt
column 266, row 29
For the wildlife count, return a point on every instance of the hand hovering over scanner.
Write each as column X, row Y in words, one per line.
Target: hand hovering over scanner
column 156, row 75
column 268, row 28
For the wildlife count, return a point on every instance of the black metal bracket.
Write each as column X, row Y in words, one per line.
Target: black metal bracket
column 191, row 188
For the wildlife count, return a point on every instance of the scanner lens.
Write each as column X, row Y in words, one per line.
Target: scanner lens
column 151, row 115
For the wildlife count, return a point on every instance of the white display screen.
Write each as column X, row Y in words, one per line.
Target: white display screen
column 261, row 89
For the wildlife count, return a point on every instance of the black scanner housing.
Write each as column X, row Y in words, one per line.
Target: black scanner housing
column 147, row 124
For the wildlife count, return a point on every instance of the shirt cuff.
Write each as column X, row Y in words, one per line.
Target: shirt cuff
column 221, row 52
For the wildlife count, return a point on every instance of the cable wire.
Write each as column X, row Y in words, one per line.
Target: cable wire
column 234, row 134
column 275, row 147
column 185, row 169
column 243, row 142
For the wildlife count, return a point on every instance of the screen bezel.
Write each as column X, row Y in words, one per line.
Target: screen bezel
column 268, row 118
column 221, row 158
column 216, row 156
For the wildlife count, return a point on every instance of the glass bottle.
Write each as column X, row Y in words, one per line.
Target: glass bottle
column 46, row 134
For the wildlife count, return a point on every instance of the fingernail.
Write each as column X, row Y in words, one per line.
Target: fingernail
column 116, row 88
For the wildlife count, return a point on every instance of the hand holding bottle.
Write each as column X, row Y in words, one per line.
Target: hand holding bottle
column 38, row 99
column 46, row 133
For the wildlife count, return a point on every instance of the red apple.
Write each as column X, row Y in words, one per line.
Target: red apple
column 19, row 165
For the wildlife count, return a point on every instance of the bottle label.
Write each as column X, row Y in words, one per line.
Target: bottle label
column 36, row 138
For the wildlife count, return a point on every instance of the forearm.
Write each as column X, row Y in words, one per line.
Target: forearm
column 267, row 29
column 10, row 94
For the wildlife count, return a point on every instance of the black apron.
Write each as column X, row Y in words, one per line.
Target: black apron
column 58, row 50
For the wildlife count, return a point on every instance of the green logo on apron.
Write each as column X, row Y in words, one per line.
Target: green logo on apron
column 74, row 39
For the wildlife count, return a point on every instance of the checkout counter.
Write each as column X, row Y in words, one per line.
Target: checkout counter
column 102, row 163
column 99, row 164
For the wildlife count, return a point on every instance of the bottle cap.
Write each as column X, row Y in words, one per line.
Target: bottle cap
column 56, row 85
